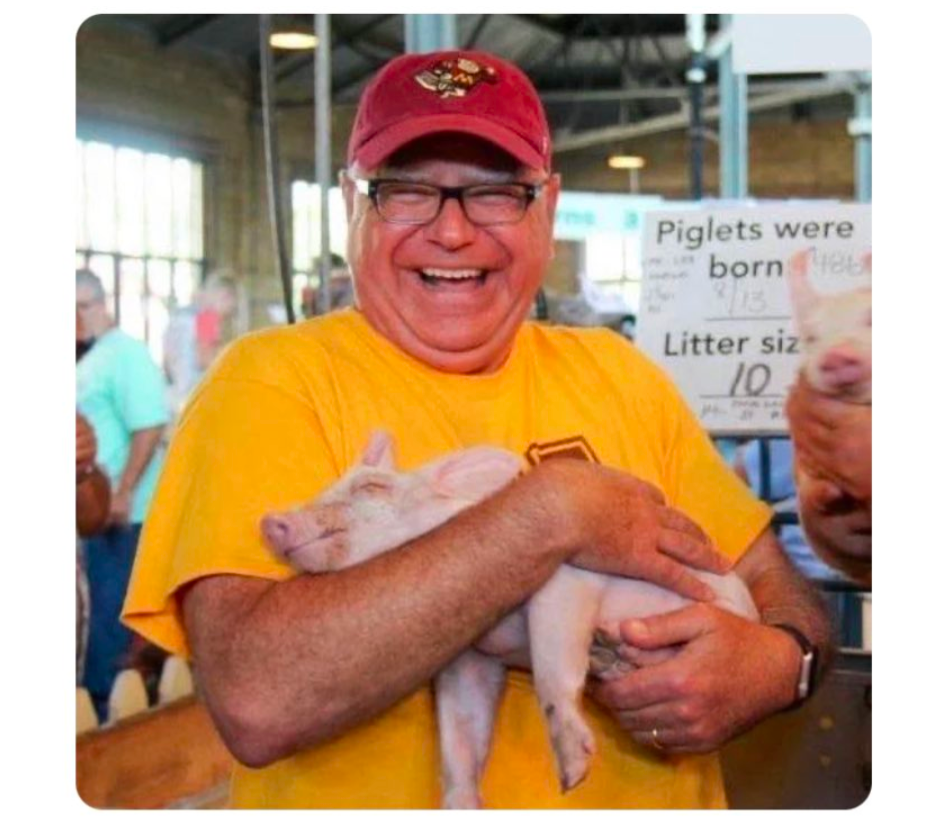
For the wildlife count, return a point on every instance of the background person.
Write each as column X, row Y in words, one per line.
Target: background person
column 195, row 335
column 341, row 293
column 121, row 392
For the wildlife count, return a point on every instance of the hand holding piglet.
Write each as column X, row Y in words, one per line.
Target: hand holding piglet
column 705, row 675
column 833, row 439
column 829, row 409
column 623, row 526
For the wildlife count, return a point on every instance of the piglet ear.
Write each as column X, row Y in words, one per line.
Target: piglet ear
column 378, row 452
column 803, row 296
column 472, row 474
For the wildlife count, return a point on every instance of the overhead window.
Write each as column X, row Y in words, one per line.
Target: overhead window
column 140, row 229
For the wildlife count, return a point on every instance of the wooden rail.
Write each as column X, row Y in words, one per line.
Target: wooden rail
column 169, row 756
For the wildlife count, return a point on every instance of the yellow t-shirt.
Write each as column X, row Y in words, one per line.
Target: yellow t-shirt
column 288, row 410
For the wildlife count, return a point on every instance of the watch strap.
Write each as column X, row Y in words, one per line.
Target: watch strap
column 807, row 677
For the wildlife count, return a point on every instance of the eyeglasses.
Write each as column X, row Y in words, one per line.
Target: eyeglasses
column 484, row 204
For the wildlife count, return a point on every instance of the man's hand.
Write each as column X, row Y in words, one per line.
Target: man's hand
column 623, row 526
column 86, row 448
column 120, row 509
column 832, row 439
column 728, row 675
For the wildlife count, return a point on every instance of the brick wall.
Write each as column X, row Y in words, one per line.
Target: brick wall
column 786, row 159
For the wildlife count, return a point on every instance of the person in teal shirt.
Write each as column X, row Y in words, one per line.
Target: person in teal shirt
column 122, row 393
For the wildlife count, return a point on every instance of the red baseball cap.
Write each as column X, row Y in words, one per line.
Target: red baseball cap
column 454, row 90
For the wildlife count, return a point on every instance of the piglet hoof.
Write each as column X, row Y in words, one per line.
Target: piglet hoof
column 573, row 744
column 461, row 798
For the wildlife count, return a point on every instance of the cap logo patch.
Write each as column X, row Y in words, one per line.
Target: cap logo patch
column 455, row 77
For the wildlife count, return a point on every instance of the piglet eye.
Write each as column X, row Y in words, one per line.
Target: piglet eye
column 371, row 486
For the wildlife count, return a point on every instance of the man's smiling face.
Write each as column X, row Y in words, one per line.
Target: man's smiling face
column 450, row 293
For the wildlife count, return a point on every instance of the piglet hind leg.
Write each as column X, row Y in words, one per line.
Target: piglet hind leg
column 561, row 618
column 468, row 691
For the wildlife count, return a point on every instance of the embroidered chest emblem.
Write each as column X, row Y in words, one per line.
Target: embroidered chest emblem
column 455, row 77
column 575, row 447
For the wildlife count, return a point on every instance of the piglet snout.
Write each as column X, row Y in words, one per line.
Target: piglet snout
column 278, row 532
column 842, row 366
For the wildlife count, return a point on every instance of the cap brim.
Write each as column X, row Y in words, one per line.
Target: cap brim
column 390, row 139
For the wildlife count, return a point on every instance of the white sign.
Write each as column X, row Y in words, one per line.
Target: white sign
column 800, row 44
column 715, row 309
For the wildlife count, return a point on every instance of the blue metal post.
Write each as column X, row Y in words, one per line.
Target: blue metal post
column 734, row 126
column 860, row 128
column 323, row 148
column 427, row 33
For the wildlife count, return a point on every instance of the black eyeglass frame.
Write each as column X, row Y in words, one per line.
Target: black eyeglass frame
column 370, row 188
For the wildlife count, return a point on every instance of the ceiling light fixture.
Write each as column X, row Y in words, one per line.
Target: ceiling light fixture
column 291, row 39
column 626, row 161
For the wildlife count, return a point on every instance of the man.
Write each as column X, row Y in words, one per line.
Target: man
column 195, row 335
column 341, row 290
column 833, row 439
column 319, row 684
column 121, row 393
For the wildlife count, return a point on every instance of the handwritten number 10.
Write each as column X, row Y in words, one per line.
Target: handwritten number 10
column 751, row 381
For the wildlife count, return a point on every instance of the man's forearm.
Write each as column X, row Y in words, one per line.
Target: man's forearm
column 313, row 656
column 142, row 447
column 782, row 595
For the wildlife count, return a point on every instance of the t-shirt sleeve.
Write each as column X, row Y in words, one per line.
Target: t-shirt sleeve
column 141, row 389
column 245, row 446
column 700, row 483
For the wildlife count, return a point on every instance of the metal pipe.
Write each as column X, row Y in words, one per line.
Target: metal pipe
column 860, row 128
column 271, row 156
column 323, row 149
column 734, row 128
column 696, row 76
column 428, row 33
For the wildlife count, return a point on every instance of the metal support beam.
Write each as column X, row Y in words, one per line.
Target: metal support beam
column 734, row 127
column 187, row 25
column 323, row 149
column 477, row 31
column 275, row 198
column 803, row 92
column 696, row 36
column 427, row 33
column 860, row 128
column 341, row 37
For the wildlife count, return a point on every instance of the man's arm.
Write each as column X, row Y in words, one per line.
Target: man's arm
column 143, row 445
column 731, row 673
column 285, row 665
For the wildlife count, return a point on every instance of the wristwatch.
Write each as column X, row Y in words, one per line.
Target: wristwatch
column 807, row 677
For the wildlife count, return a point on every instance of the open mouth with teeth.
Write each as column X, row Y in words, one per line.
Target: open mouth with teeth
column 446, row 277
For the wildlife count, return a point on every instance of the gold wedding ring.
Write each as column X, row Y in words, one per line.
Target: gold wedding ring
column 656, row 743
